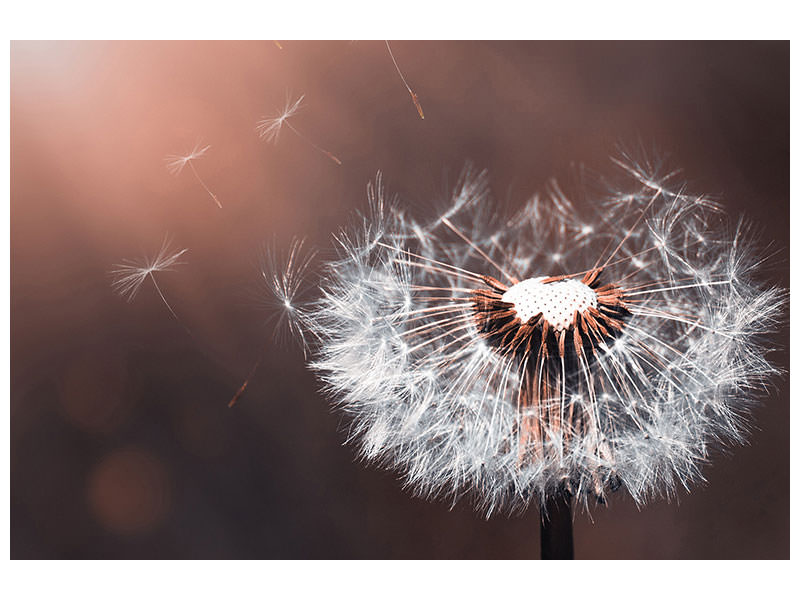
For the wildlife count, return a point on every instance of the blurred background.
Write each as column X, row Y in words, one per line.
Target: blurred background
column 122, row 445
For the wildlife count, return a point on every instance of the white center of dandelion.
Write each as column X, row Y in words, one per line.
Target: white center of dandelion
column 556, row 301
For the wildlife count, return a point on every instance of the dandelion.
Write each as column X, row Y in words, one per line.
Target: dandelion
column 414, row 97
column 176, row 163
column 269, row 128
column 130, row 275
column 553, row 355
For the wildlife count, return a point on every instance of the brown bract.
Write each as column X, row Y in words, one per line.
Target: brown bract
column 548, row 356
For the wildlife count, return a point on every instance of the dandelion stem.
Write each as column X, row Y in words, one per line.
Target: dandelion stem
column 158, row 289
column 556, row 528
column 308, row 141
column 205, row 187
column 414, row 97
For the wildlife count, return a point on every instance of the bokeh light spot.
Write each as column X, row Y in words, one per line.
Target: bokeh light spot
column 128, row 492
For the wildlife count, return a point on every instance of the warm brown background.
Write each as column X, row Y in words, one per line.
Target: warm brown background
column 121, row 442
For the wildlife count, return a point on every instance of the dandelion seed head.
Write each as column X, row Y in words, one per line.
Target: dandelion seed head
column 557, row 302
column 472, row 361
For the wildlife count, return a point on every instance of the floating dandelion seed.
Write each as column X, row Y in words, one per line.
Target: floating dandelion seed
column 176, row 163
column 414, row 97
column 129, row 275
column 269, row 128
column 283, row 281
column 549, row 355
column 243, row 388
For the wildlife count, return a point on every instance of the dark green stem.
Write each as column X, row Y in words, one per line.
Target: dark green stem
column 556, row 532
